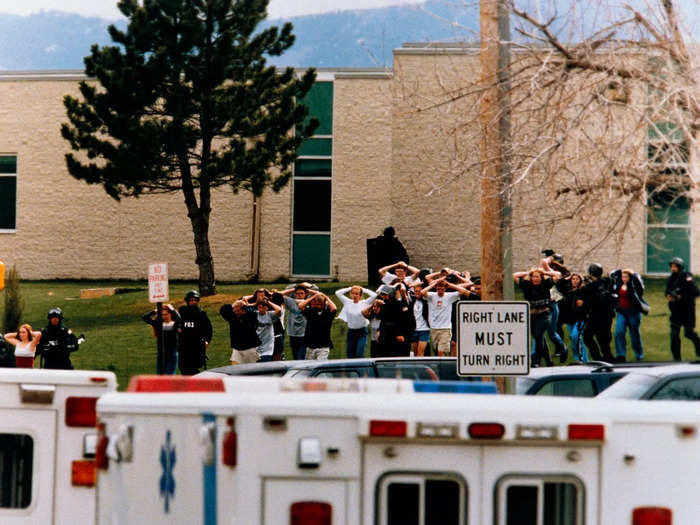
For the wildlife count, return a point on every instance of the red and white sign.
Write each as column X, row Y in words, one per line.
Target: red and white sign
column 158, row 283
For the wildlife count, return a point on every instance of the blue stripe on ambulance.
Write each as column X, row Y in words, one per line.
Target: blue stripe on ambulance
column 209, row 478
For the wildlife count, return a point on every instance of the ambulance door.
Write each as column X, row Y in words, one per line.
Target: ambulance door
column 27, row 450
column 421, row 483
column 541, row 485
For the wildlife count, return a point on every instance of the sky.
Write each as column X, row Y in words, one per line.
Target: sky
column 108, row 8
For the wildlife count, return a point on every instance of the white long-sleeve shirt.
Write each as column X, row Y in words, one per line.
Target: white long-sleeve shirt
column 352, row 311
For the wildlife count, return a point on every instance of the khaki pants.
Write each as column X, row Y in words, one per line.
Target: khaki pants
column 319, row 354
column 249, row 355
column 440, row 340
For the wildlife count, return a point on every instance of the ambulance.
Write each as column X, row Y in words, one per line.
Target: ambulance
column 47, row 444
column 270, row 451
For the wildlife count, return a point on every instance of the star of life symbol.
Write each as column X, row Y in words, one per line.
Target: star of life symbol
column 167, row 481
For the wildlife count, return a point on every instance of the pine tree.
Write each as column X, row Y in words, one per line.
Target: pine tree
column 186, row 102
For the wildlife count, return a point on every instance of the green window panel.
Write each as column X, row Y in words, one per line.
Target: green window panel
column 664, row 244
column 313, row 168
column 667, row 209
column 8, row 164
column 320, row 102
column 311, row 254
column 312, row 205
column 666, row 131
column 317, row 148
column 8, row 203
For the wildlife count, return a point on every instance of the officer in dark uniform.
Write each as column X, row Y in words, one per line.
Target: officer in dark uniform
column 681, row 292
column 598, row 300
column 57, row 343
column 195, row 335
column 7, row 355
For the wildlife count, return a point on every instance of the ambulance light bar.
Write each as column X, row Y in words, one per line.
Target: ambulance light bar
column 455, row 387
column 154, row 383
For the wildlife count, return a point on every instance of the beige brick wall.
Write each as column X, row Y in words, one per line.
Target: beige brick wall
column 361, row 186
column 68, row 229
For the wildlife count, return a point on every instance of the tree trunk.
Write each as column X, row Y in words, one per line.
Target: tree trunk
column 204, row 260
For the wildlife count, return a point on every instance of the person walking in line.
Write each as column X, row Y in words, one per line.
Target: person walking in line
column 573, row 316
column 440, row 312
column 56, row 343
column 421, row 334
column 296, row 322
column 195, row 335
column 536, row 285
column 319, row 311
column 268, row 313
column 25, row 342
column 681, row 292
column 356, row 338
column 599, row 302
column 627, row 285
column 242, row 320
column 169, row 330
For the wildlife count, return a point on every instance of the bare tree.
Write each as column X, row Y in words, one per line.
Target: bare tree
column 604, row 120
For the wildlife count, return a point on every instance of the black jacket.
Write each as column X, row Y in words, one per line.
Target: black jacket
column 55, row 347
column 243, row 329
column 599, row 300
column 195, row 331
column 682, row 289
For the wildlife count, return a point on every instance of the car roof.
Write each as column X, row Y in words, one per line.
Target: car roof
column 368, row 361
column 268, row 367
column 667, row 370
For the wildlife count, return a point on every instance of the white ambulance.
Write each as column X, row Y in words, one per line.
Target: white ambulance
column 381, row 452
column 47, row 444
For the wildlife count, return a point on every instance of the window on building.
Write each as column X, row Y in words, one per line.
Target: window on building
column 16, row 460
column 668, row 216
column 311, row 211
column 8, row 192
column 540, row 501
column 415, row 499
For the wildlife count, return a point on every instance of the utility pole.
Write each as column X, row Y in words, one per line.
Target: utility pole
column 496, row 250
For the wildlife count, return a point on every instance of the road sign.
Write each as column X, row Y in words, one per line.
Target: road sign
column 493, row 338
column 158, row 283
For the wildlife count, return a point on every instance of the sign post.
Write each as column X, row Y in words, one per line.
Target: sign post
column 493, row 338
column 158, row 292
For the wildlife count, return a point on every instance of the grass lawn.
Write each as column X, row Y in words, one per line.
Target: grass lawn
column 119, row 341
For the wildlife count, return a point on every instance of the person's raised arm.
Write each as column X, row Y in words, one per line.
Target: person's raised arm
column 371, row 295
column 341, row 293
column 276, row 310
column 12, row 338
column 519, row 275
column 424, row 292
column 331, row 305
column 303, row 304
column 384, row 269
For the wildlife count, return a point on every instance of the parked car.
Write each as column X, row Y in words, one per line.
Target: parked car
column 584, row 380
column 423, row 368
column 671, row 382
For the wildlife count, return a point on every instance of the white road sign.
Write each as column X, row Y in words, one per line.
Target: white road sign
column 158, row 283
column 492, row 338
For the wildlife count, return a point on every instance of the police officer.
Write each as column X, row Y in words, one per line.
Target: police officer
column 681, row 292
column 57, row 342
column 598, row 300
column 195, row 335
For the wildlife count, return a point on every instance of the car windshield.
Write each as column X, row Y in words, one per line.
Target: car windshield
column 523, row 384
column 632, row 386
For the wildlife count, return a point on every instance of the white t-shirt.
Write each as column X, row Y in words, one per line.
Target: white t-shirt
column 421, row 325
column 440, row 309
column 266, row 334
column 352, row 311
column 24, row 350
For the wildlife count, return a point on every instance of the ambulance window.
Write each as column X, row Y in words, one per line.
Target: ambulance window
column 16, row 459
column 568, row 387
column 533, row 501
column 408, row 499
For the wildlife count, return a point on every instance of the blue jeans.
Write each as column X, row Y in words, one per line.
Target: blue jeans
column 355, row 342
column 538, row 327
column 554, row 336
column 170, row 362
column 628, row 319
column 298, row 347
column 577, row 347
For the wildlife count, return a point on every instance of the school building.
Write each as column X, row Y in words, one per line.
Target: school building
column 389, row 152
